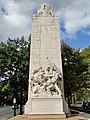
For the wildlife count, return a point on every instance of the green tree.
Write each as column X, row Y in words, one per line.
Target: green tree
column 75, row 71
column 15, row 64
column 86, row 55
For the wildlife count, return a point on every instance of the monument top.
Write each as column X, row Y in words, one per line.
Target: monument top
column 45, row 9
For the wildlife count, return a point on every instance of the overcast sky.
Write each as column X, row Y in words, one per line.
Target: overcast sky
column 74, row 19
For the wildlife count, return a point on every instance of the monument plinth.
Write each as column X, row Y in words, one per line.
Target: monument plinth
column 45, row 94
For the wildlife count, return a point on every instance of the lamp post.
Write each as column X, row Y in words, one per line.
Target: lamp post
column 21, row 95
column 14, row 102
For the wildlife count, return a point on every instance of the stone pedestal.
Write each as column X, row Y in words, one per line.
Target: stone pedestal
column 45, row 106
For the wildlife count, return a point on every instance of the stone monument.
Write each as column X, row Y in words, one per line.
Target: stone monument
column 45, row 94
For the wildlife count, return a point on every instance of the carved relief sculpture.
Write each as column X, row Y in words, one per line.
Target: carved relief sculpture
column 47, row 80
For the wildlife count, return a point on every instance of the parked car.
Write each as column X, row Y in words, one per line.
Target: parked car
column 86, row 105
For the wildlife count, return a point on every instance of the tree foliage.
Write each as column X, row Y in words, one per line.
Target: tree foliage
column 14, row 64
column 75, row 70
column 86, row 54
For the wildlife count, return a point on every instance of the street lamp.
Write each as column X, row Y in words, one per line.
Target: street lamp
column 14, row 102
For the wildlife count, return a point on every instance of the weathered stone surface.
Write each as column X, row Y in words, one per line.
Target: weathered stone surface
column 45, row 94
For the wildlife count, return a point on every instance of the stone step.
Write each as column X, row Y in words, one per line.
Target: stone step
column 45, row 117
column 39, row 117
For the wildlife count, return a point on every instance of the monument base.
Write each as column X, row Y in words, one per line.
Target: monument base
column 46, row 116
column 44, row 106
column 39, row 117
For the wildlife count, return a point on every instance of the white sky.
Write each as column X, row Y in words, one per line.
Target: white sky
column 16, row 16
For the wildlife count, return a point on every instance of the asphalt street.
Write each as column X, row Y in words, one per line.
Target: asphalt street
column 85, row 115
column 7, row 112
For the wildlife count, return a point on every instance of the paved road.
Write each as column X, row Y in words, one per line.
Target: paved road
column 7, row 112
column 85, row 115
column 82, row 114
